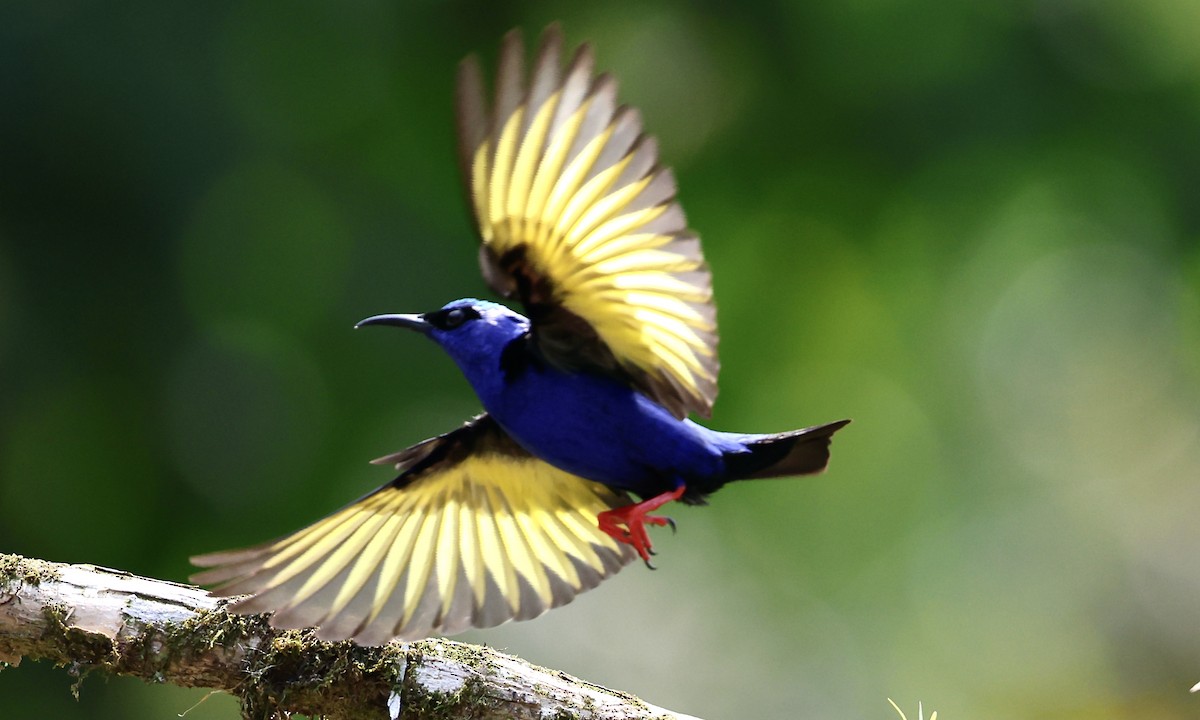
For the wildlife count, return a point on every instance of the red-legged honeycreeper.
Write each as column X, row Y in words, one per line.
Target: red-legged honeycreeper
column 586, row 396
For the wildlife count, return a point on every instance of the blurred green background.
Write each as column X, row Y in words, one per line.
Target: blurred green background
column 971, row 226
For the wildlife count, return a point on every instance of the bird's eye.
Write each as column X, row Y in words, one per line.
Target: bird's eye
column 449, row 319
column 454, row 318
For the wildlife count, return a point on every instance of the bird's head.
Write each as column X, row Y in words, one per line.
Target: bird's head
column 473, row 332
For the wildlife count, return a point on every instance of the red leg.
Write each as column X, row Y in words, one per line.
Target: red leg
column 628, row 524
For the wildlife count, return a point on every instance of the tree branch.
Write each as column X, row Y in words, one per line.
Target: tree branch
column 94, row 619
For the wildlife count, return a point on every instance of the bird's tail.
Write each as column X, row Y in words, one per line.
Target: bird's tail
column 799, row 452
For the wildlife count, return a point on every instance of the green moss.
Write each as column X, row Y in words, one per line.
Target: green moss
column 25, row 570
column 82, row 647
column 471, row 701
column 80, row 651
column 292, row 666
column 477, row 658
column 208, row 629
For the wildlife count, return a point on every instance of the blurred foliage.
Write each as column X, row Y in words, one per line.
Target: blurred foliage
column 972, row 227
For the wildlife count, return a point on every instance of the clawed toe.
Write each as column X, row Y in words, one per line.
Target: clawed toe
column 628, row 524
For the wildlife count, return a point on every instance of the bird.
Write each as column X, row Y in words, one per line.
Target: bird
column 585, row 430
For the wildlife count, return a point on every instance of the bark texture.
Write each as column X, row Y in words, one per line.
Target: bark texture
column 93, row 619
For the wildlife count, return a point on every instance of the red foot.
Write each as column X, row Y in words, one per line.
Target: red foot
column 628, row 524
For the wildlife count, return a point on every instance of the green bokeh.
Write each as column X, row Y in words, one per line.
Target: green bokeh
column 971, row 227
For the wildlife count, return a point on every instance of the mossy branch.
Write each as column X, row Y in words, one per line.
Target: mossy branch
column 92, row 619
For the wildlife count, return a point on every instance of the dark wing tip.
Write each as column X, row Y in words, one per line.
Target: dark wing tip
column 552, row 36
column 583, row 62
column 471, row 118
column 513, row 42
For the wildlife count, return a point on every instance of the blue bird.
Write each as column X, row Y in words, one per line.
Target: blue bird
column 586, row 399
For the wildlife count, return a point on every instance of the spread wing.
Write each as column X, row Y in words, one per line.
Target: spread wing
column 474, row 532
column 579, row 221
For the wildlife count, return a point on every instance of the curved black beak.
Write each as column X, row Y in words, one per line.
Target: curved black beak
column 412, row 322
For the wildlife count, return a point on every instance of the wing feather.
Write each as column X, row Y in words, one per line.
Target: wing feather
column 473, row 532
column 345, row 556
column 352, row 606
column 474, row 148
column 625, row 129
column 643, row 157
column 563, row 126
column 473, row 570
column 420, row 564
column 446, row 554
column 563, row 182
